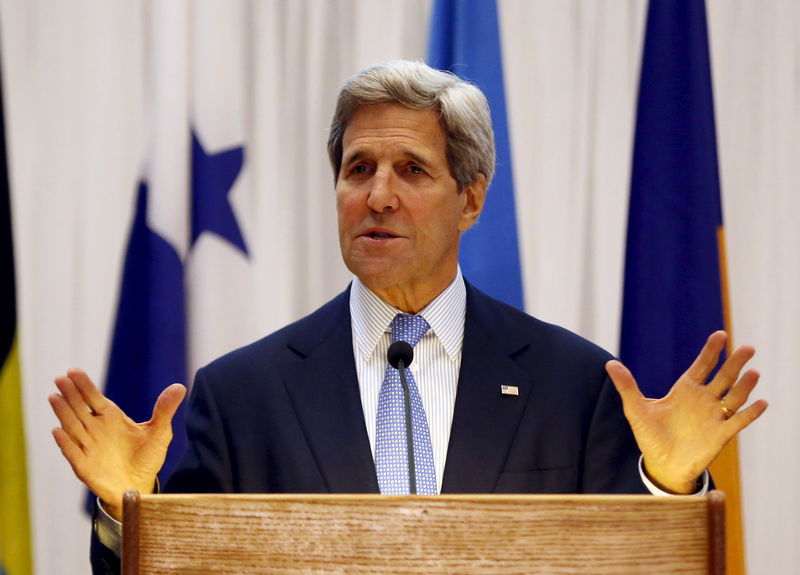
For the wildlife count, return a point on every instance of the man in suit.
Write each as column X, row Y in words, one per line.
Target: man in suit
column 502, row 401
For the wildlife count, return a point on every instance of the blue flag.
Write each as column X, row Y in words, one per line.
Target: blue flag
column 673, row 297
column 465, row 40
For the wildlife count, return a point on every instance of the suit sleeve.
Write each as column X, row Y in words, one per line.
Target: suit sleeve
column 205, row 466
column 104, row 561
column 611, row 460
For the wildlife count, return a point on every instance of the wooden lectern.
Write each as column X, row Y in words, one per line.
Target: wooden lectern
column 375, row 534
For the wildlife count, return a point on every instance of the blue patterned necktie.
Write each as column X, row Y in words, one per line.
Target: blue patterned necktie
column 391, row 458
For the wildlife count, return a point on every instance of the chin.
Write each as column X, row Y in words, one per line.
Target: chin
column 378, row 281
column 376, row 275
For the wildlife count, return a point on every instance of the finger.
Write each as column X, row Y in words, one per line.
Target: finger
column 74, row 400
column 729, row 372
column 71, row 451
column 738, row 393
column 708, row 357
column 166, row 405
column 88, row 390
column 624, row 382
column 743, row 418
column 74, row 455
column 66, row 417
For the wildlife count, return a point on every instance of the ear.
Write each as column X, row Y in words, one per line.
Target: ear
column 474, row 198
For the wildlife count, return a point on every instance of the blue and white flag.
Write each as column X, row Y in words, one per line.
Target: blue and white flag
column 186, row 268
column 465, row 40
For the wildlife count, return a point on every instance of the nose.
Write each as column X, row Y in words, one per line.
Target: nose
column 382, row 196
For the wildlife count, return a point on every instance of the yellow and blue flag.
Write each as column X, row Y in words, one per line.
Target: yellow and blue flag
column 674, row 294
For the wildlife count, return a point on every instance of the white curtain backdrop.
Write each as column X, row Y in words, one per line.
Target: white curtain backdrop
column 77, row 80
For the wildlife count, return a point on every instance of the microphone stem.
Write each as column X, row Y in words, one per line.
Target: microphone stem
column 412, row 474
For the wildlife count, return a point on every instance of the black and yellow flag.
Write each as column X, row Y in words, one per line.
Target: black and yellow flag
column 15, row 547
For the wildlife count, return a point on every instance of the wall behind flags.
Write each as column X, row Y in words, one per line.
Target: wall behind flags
column 77, row 100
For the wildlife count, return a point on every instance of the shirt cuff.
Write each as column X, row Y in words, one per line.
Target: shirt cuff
column 108, row 529
column 702, row 483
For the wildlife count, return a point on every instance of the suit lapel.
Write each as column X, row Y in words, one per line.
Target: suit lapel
column 323, row 388
column 324, row 391
column 485, row 420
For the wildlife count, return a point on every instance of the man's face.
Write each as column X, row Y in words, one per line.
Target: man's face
column 400, row 212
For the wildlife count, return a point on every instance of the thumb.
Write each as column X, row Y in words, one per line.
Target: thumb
column 623, row 380
column 167, row 404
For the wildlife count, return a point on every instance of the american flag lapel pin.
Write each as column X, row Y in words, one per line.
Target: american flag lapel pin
column 509, row 390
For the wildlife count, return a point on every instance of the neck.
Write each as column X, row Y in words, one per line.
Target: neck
column 410, row 299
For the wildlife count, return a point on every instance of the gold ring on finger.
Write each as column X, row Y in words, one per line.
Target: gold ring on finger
column 725, row 411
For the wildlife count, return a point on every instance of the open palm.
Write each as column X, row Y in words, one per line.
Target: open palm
column 680, row 434
column 107, row 450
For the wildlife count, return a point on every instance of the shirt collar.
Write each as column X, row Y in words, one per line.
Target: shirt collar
column 371, row 316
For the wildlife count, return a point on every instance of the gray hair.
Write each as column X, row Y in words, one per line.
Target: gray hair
column 462, row 107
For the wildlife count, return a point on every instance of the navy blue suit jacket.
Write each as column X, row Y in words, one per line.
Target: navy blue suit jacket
column 284, row 413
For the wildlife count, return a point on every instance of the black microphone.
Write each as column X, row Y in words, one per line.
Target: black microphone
column 400, row 351
column 400, row 356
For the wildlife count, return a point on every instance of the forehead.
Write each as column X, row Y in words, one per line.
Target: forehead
column 394, row 124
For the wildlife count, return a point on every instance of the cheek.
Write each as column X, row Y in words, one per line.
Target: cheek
column 345, row 207
column 448, row 216
column 440, row 229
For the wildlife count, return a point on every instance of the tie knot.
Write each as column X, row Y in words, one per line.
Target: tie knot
column 408, row 328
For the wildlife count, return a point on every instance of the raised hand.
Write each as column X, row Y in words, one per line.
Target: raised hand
column 107, row 450
column 682, row 433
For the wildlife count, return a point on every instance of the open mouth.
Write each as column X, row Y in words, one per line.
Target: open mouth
column 378, row 234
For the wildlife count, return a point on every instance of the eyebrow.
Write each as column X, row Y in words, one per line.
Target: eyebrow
column 353, row 158
column 360, row 154
column 419, row 159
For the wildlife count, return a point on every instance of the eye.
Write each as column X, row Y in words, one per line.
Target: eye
column 415, row 170
column 359, row 169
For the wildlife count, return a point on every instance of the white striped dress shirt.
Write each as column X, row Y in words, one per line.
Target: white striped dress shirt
column 437, row 358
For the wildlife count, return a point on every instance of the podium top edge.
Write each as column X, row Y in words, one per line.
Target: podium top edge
column 373, row 497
